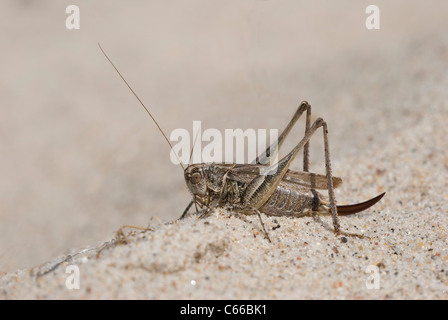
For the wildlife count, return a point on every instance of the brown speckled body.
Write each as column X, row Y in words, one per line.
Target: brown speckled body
column 222, row 185
column 292, row 202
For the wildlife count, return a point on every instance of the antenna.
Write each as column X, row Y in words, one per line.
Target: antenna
column 143, row 105
column 192, row 148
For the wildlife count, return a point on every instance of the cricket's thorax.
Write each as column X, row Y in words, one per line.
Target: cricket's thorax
column 223, row 192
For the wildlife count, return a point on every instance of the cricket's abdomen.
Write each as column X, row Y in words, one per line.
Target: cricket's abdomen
column 293, row 202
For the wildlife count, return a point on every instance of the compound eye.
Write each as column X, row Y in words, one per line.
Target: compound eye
column 196, row 177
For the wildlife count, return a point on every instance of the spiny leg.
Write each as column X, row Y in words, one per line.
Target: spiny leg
column 262, row 225
column 318, row 219
column 251, row 211
column 334, row 212
column 329, row 175
column 306, row 148
column 186, row 210
column 272, row 150
column 261, row 188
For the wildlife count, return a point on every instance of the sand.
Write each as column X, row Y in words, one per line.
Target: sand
column 80, row 159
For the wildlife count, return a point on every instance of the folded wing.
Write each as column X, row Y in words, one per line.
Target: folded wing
column 246, row 173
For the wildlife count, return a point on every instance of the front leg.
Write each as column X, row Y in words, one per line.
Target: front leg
column 186, row 210
column 224, row 192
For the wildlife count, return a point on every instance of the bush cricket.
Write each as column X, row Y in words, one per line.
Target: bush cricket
column 247, row 189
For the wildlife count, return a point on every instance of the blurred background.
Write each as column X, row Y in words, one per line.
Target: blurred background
column 79, row 157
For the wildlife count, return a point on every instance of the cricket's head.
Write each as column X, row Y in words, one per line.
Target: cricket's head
column 195, row 178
